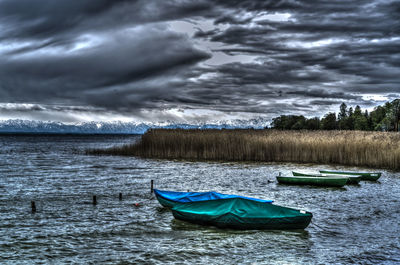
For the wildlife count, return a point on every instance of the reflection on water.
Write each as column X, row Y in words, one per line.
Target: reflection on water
column 356, row 224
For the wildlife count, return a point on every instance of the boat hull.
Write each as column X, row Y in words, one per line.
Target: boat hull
column 166, row 203
column 228, row 221
column 313, row 181
column 236, row 214
column 371, row 176
column 352, row 179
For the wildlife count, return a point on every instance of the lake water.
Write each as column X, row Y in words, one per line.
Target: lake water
column 357, row 224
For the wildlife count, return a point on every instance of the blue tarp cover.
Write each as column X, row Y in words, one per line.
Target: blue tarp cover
column 199, row 196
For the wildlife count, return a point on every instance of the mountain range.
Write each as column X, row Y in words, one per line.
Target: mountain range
column 40, row 127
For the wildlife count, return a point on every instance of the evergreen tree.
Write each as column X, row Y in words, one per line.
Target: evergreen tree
column 329, row 121
column 350, row 111
column 377, row 116
column 299, row 124
column 342, row 117
column 360, row 122
column 357, row 111
column 350, row 120
column 369, row 121
column 312, row 124
column 395, row 111
column 343, row 111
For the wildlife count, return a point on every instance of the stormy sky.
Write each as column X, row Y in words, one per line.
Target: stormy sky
column 127, row 60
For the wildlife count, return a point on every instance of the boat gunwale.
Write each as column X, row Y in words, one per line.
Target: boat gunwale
column 371, row 176
column 334, row 172
column 337, row 182
column 327, row 175
column 315, row 177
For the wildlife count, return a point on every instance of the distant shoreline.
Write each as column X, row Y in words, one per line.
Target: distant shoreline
column 63, row 134
column 348, row 148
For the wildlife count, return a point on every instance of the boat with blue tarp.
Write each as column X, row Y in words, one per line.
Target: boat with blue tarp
column 173, row 198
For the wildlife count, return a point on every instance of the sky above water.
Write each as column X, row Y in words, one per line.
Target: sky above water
column 195, row 61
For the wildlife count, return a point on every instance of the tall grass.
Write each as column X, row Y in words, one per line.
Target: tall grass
column 353, row 148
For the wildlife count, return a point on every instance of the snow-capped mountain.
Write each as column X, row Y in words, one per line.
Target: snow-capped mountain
column 28, row 126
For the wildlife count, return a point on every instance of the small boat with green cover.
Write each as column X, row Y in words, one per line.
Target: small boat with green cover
column 334, row 181
column 172, row 198
column 373, row 176
column 352, row 179
column 240, row 213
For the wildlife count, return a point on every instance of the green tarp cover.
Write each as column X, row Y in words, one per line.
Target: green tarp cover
column 242, row 213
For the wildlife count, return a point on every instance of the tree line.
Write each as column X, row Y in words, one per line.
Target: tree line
column 382, row 118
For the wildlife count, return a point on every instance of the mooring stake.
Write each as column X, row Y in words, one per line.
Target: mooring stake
column 94, row 200
column 33, row 206
column 151, row 186
column 120, row 196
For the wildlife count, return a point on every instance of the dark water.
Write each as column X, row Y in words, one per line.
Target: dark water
column 353, row 225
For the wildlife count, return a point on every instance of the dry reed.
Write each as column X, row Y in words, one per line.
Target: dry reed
column 352, row 148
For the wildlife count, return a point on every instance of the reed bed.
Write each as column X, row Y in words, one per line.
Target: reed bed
column 352, row 148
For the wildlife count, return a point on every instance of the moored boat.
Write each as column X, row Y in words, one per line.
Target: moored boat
column 173, row 198
column 334, row 181
column 241, row 213
column 373, row 176
column 352, row 179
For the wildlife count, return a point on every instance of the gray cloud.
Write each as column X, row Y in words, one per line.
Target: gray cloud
column 42, row 19
column 111, row 68
column 122, row 56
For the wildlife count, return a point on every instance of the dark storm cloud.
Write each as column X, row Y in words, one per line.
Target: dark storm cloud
column 325, row 102
column 44, row 18
column 121, row 60
column 358, row 51
column 48, row 19
column 132, row 65
column 121, row 55
column 321, row 93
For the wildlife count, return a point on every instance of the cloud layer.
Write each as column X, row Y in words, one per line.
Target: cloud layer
column 242, row 58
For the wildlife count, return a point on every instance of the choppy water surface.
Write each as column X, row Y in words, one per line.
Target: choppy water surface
column 356, row 224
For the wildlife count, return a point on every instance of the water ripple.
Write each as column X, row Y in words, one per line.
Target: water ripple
column 357, row 224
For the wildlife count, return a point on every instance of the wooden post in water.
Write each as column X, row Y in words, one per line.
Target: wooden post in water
column 120, row 196
column 151, row 186
column 94, row 200
column 33, row 206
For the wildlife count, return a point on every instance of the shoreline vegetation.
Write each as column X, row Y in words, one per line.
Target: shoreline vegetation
column 382, row 118
column 349, row 148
